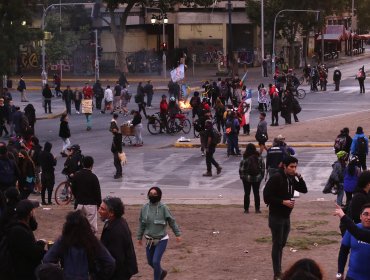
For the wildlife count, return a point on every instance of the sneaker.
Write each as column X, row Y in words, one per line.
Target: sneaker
column 207, row 174
column 163, row 274
column 77, row 112
column 246, row 211
column 202, row 154
column 219, row 170
column 117, row 176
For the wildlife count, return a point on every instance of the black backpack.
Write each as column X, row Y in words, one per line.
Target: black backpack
column 216, row 137
column 361, row 145
column 340, row 143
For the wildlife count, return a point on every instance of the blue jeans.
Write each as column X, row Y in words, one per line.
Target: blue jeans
column 340, row 194
column 280, row 228
column 88, row 120
column 154, row 255
column 232, row 144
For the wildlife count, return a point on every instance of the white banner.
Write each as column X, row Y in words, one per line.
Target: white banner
column 178, row 73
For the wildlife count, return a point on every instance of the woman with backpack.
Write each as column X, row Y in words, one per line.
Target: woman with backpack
column 251, row 171
column 351, row 174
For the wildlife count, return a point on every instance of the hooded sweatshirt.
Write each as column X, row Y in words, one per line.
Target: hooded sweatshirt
column 47, row 160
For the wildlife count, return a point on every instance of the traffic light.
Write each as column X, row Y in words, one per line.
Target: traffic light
column 100, row 52
column 164, row 46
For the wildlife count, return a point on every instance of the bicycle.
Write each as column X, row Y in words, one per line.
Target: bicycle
column 155, row 124
column 176, row 124
column 63, row 193
column 300, row 93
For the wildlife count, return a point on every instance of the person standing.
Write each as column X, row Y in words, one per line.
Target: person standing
column 8, row 169
column 244, row 110
column 261, row 133
column 4, row 118
column 87, row 109
column 358, row 251
column 163, row 113
column 136, row 122
column 287, row 107
column 77, row 97
column 153, row 220
column 47, row 95
column 337, row 175
column 47, row 162
column 30, row 113
column 343, row 141
column 360, row 147
column 98, row 93
column 26, row 182
column 251, row 171
column 116, row 149
column 22, row 89
column 278, row 195
column 87, row 91
column 116, row 237
column 361, row 76
column 275, row 108
column 232, row 130
column 67, row 96
column 117, row 97
column 64, row 133
column 148, row 89
column 210, row 148
column 337, row 76
column 86, row 189
column 57, row 85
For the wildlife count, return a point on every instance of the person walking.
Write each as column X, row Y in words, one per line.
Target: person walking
column 287, row 107
column 139, row 99
column 343, row 141
column 108, row 100
column 361, row 76
column 99, row 94
column 244, row 110
column 117, row 97
column 153, row 220
column 79, row 251
column 232, row 130
column 278, row 194
column 22, row 89
column 47, row 95
column 148, row 89
column 47, row 162
column 77, row 97
column 275, row 108
column 116, row 237
column 210, row 148
column 337, row 76
column 67, row 97
column 87, row 193
column 30, row 113
column 64, row 133
column 87, row 91
column 57, row 85
column 87, row 109
column 337, row 175
column 360, row 147
column 26, row 182
column 251, row 171
column 116, row 149
column 261, row 133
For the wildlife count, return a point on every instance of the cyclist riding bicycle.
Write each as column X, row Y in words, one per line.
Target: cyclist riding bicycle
column 174, row 110
column 73, row 162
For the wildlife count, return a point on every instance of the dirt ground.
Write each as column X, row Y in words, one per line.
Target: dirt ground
column 221, row 242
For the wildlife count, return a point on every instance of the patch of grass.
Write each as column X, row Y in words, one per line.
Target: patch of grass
column 301, row 243
column 320, row 214
column 175, row 269
column 303, row 225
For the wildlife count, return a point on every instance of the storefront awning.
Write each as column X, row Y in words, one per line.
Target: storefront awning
column 331, row 37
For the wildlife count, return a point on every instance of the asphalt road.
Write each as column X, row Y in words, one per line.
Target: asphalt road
column 179, row 171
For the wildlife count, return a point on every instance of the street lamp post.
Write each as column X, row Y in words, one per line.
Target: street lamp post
column 262, row 36
column 274, row 33
column 164, row 20
column 352, row 14
column 44, row 73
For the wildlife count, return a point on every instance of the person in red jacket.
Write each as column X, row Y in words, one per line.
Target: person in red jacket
column 87, row 91
column 163, row 107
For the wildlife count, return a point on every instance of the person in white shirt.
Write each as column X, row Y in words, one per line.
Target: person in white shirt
column 108, row 100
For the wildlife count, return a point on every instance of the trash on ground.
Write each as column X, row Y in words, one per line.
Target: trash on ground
column 183, row 139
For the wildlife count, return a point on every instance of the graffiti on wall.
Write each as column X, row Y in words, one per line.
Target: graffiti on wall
column 28, row 58
column 208, row 51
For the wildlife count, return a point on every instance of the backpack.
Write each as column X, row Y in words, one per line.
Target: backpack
column 340, row 143
column 216, row 137
column 6, row 262
column 195, row 102
column 253, row 166
column 361, row 146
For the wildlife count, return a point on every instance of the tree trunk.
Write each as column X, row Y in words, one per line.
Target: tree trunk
column 118, row 36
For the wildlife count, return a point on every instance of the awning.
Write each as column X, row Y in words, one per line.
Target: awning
column 364, row 36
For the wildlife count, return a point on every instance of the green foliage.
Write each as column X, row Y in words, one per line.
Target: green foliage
column 363, row 14
column 12, row 32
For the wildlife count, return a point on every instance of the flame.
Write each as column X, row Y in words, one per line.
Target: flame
column 184, row 104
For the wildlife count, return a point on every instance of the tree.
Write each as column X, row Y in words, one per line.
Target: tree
column 290, row 24
column 363, row 15
column 14, row 16
column 119, row 30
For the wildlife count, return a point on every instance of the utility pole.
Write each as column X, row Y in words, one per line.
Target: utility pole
column 96, row 56
column 230, row 40
column 262, row 36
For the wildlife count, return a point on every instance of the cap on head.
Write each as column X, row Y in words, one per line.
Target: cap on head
column 24, row 207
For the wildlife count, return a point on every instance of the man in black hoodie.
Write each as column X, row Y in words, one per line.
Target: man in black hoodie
column 278, row 195
column 47, row 163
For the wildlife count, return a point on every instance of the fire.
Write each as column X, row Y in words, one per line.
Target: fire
column 184, row 104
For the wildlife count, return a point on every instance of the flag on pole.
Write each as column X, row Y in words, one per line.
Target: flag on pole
column 178, row 73
column 241, row 83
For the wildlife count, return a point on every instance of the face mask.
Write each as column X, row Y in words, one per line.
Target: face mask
column 33, row 223
column 153, row 199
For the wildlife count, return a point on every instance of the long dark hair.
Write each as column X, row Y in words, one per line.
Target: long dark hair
column 250, row 150
column 77, row 232
column 307, row 267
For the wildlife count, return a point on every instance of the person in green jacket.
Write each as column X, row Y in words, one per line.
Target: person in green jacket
column 154, row 217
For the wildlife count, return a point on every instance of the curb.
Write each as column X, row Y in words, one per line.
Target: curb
column 243, row 145
column 51, row 116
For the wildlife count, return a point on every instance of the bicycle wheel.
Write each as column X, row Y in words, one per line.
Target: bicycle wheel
column 63, row 193
column 186, row 126
column 301, row 93
column 172, row 127
column 154, row 127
